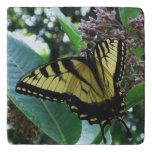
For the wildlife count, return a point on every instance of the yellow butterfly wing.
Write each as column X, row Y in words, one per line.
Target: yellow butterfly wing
column 88, row 85
column 110, row 56
column 61, row 79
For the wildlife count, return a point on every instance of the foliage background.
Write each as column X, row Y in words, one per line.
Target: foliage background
column 39, row 23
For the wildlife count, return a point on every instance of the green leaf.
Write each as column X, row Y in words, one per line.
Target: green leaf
column 126, row 12
column 108, row 138
column 91, row 134
column 55, row 120
column 138, row 51
column 99, row 139
column 135, row 95
column 72, row 32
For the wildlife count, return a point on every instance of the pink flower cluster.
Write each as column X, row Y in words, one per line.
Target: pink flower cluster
column 134, row 70
column 106, row 19
column 94, row 27
column 106, row 25
column 137, row 30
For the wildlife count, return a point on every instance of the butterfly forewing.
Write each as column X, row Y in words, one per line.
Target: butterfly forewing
column 110, row 56
column 49, row 83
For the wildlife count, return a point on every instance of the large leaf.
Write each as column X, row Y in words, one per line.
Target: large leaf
column 55, row 120
column 126, row 12
column 91, row 134
column 69, row 28
column 135, row 95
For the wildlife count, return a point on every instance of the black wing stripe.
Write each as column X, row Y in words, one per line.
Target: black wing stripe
column 118, row 73
column 103, row 50
column 99, row 57
column 107, row 46
column 39, row 79
column 46, row 93
column 35, row 77
column 70, row 67
column 44, row 72
column 55, row 68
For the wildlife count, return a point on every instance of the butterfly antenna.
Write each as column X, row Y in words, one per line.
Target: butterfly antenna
column 103, row 136
column 127, row 129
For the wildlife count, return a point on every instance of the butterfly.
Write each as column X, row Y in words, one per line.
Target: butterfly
column 89, row 85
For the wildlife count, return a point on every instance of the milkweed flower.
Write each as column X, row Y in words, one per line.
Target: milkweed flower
column 105, row 25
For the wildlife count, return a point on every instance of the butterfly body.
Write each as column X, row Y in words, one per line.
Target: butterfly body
column 89, row 84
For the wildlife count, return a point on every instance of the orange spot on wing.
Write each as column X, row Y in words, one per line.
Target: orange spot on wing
column 69, row 100
column 117, row 84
